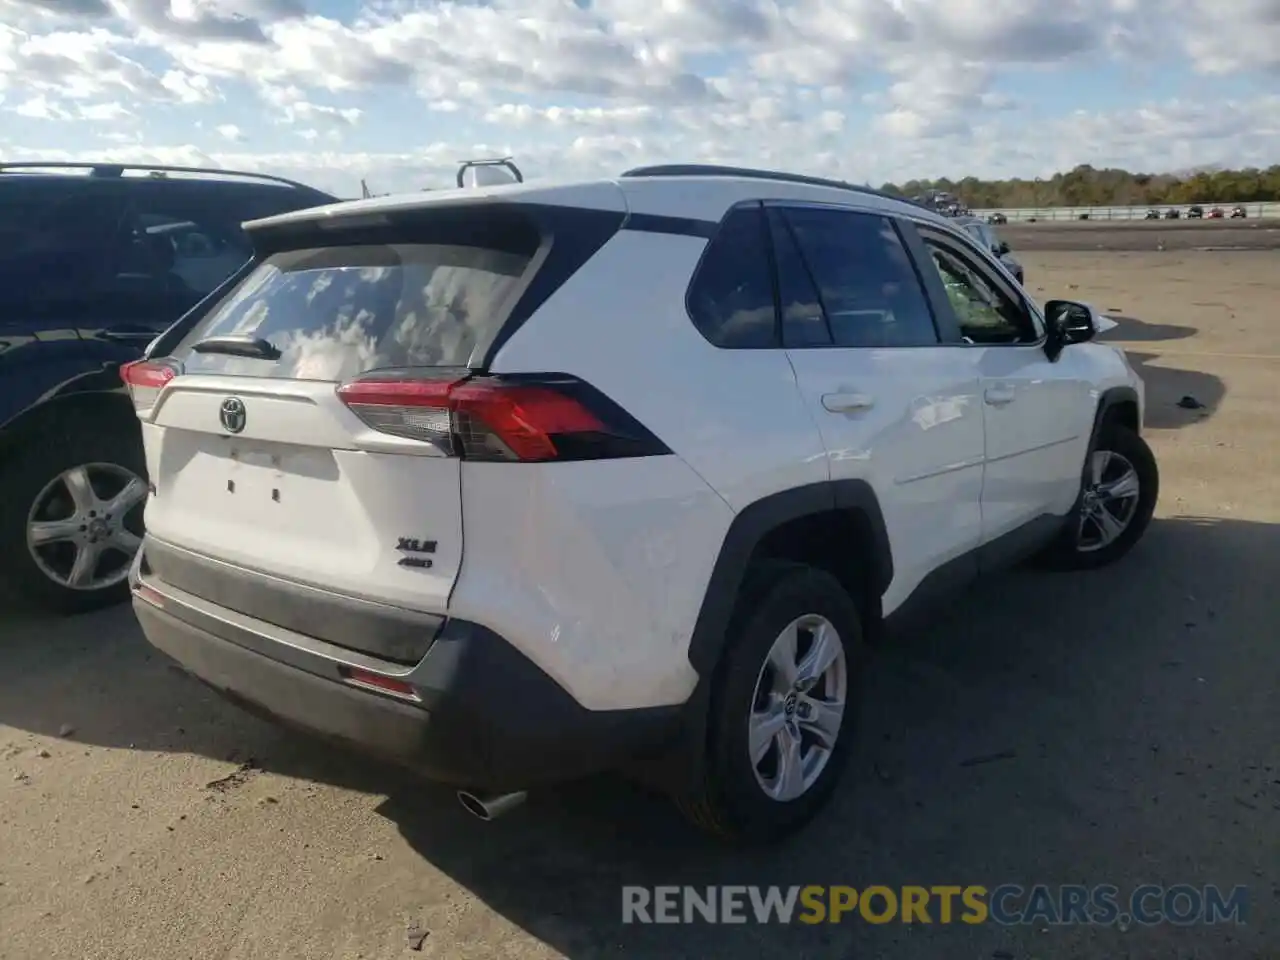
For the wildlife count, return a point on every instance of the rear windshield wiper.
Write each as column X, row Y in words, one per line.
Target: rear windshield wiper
column 254, row 347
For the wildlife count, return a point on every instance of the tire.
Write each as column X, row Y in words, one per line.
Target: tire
column 1076, row 549
column 110, row 448
column 730, row 801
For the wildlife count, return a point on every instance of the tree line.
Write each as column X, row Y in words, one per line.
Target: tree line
column 1087, row 186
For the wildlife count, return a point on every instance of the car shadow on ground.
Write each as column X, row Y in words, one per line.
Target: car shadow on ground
column 1167, row 386
column 1133, row 330
column 1105, row 727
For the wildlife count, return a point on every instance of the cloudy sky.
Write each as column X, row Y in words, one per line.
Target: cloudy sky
column 398, row 91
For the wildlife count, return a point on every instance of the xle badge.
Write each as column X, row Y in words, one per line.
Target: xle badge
column 414, row 546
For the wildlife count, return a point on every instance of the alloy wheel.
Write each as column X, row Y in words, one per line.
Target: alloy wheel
column 85, row 526
column 1108, row 502
column 798, row 707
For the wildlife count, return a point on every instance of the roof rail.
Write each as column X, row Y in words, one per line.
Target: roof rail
column 714, row 170
column 155, row 169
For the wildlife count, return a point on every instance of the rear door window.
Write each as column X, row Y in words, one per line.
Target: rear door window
column 336, row 312
column 804, row 324
column 869, row 288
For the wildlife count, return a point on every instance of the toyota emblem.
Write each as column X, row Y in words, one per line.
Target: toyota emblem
column 232, row 414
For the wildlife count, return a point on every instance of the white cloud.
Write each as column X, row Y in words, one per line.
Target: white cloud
column 188, row 88
column 1174, row 135
column 1223, row 40
column 304, row 112
column 104, row 112
column 862, row 89
column 40, row 108
column 289, row 105
column 522, row 114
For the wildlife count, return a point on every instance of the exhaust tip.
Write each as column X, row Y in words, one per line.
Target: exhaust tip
column 489, row 808
column 471, row 803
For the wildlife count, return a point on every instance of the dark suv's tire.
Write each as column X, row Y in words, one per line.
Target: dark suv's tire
column 783, row 706
column 75, row 489
column 1117, row 499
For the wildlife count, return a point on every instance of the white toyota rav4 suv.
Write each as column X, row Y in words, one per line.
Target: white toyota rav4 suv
column 519, row 483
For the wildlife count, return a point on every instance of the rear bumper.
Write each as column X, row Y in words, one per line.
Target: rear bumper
column 484, row 716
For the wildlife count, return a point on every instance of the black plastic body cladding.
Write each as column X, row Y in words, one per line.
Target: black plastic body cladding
column 488, row 718
column 749, row 528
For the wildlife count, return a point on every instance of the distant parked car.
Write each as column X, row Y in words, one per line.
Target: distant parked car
column 1238, row 213
column 1152, row 215
column 998, row 219
column 1217, row 213
column 1195, row 212
column 96, row 261
column 1172, row 214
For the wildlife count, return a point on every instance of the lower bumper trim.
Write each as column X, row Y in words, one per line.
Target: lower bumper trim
column 488, row 719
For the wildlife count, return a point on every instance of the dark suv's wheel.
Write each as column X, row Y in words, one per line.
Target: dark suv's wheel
column 1117, row 499
column 783, row 706
column 71, row 502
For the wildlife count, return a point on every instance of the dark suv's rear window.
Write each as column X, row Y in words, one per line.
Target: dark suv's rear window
column 338, row 311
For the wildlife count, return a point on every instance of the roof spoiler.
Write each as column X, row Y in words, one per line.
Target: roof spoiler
column 488, row 172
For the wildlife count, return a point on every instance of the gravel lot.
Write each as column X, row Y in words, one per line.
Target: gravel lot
column 1134, row 712
column 1144, row 235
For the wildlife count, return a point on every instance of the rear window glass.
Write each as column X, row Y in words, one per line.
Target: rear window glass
column 337, row 312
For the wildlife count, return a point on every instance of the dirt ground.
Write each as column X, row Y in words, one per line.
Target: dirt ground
column 1132, row 713
column 1144, row 235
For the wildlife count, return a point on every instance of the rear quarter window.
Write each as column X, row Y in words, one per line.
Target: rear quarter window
column 731, row 298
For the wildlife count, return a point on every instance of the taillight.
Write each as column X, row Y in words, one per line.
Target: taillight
column 145, row 379
column 512, row 418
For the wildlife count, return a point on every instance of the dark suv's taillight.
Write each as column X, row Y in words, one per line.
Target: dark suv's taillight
column 527, row 418
column 145, row 380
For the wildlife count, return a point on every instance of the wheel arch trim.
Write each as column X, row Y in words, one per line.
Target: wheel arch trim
column 1110, row 399
column 749, row 528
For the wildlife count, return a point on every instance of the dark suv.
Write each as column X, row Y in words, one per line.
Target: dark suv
column 95, row 262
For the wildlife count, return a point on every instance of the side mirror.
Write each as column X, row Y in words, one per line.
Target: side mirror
column 1002, row 248
column 1068, row 322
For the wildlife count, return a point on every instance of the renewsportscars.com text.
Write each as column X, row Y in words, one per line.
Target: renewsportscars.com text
column 1007, row 904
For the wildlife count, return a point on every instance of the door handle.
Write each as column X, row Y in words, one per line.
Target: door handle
column 847, row 402
column 998, row 396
